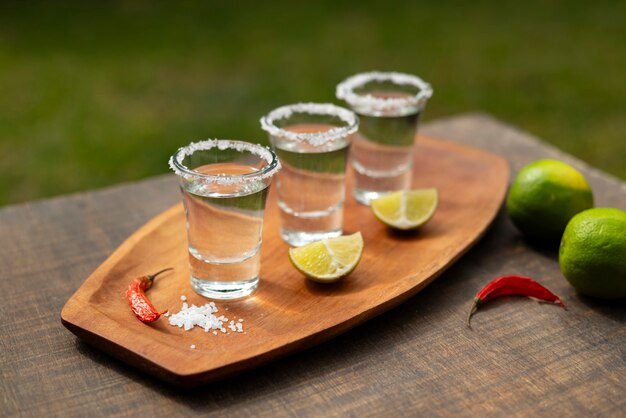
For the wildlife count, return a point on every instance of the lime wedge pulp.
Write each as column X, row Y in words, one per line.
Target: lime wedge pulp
column 330, row 259
column 406, row 209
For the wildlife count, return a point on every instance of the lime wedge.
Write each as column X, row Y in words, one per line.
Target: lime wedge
column 406, row 209
column 330, row 259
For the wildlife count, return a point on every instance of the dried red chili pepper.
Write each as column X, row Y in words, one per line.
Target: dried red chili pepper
column 513, row 285
column 137, row 300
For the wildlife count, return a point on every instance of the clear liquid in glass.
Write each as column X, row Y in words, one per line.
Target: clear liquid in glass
column 382, row 150
column 224, row 226
column 311, row 186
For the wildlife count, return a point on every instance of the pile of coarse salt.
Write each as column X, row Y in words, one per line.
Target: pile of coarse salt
column 203, row 317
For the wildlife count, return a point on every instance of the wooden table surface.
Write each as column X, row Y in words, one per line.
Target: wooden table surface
column 520, row 359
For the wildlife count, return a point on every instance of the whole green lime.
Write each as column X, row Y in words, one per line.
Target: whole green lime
column 544, row 196
column 592, row 255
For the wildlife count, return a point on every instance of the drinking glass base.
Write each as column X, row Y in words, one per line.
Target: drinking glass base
column 300, row 238
column 224, row 290
column 365, row 197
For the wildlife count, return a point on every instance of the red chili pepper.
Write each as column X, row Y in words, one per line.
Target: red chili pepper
column 513, row 285
column 137, row 300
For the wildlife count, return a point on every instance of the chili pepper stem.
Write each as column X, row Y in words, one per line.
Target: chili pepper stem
column 151, row 277
column 475, row 305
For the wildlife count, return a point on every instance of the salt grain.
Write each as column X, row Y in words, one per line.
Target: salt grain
column 192, row 346
column 176, row 161
column 347, row 90
column 270, row 123
column 204, row 317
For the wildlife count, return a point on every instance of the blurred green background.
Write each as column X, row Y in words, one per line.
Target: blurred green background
column 97, row 93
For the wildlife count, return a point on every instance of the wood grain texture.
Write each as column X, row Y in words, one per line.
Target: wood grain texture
column 287, row 313
column 521, row 359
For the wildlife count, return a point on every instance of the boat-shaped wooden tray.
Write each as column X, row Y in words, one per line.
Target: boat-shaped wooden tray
column 287, row 313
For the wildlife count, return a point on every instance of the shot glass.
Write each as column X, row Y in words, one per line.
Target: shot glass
column 312, row 142
column 389, row 106
column 224, row 184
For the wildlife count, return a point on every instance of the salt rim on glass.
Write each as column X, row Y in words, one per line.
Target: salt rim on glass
column 345, row 90
column 268, row 122
column 176, row 161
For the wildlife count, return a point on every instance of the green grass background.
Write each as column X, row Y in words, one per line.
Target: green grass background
column 96, row 93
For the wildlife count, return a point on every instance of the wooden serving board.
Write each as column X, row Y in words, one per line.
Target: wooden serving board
column 287, row 313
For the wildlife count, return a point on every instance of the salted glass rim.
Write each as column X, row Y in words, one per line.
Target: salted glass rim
column 345, row 90
column 268, row 122
column 265, row 153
